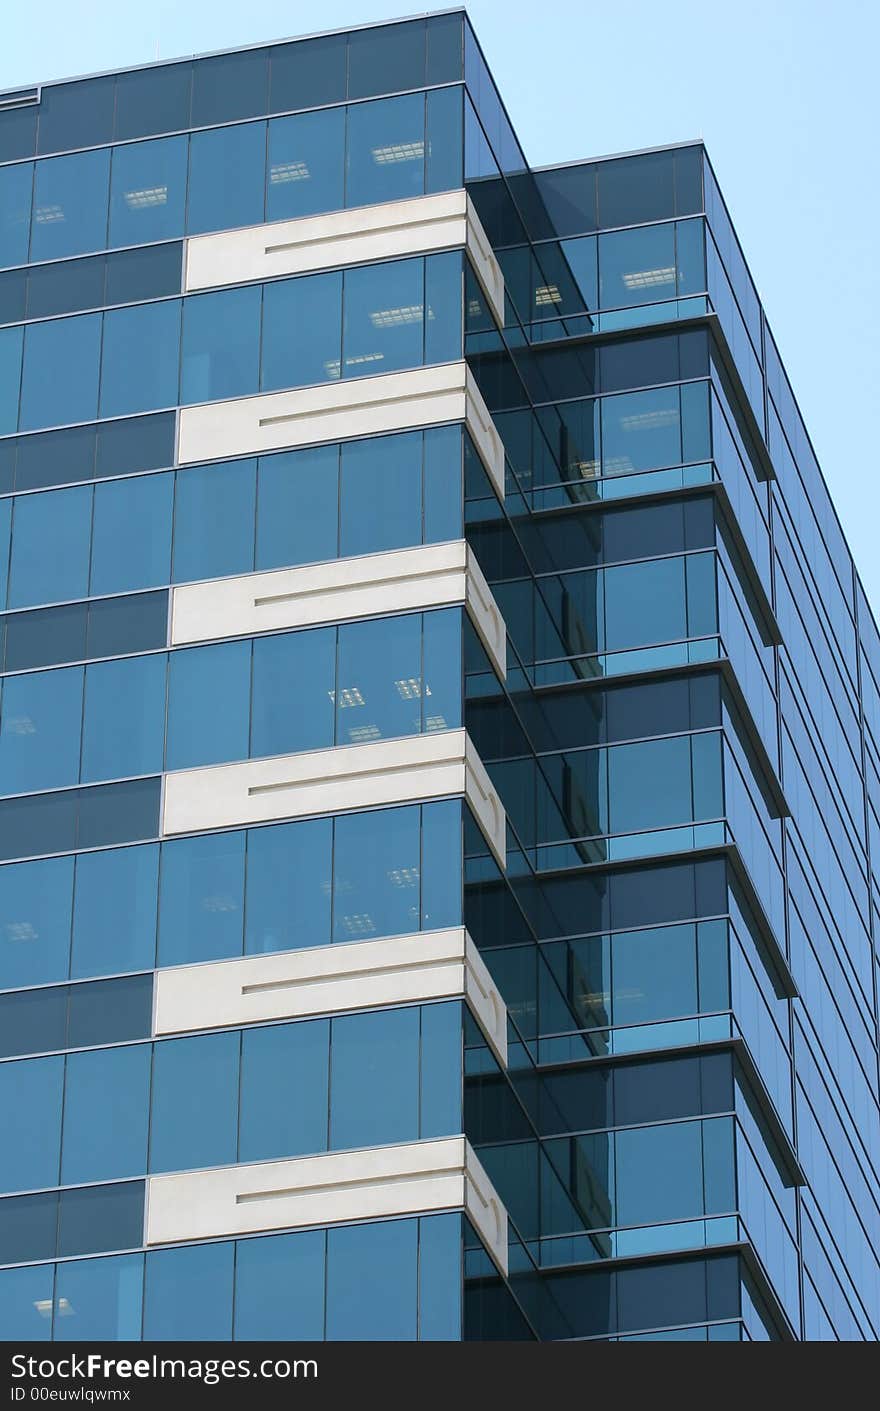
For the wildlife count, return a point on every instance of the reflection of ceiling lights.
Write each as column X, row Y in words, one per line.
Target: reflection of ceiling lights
column 360, row 358
column 588, row 470
column 547, row 294
column 435, row 722
column 219, row 903
column 649, row 278
column 47, row 215
column 399, row 152
column 21, row 931
column 288, row 171
column 409, row 689
column 403, row 877
column 359, row 734
column 19, row 725
column 474, row 308
column 348, row 696
column 359, row 923
column 44, row 1307
column 617, row 465
column 392, row 318
column 150, row 196
column 650, row 421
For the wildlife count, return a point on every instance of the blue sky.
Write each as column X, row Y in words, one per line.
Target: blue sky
column 784, row 92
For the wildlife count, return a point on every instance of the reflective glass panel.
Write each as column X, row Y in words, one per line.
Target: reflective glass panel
column 148, row 191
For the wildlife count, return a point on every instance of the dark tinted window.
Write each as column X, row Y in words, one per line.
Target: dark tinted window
column 230, row 86
column 141, row 443
column 444, row 60
column 33, row 1021
column 153, row 101
column 63, row 288
column 386, row 60
column 27, row 1227
column 110, row 1011
column 143, row 274
column 13, row 296
column 101, row 1217
column 130, row 624
column 45, row 637
column 76, row 115
column 308, row 73
column 18, row 133
column 569, row 195
column 118, row 813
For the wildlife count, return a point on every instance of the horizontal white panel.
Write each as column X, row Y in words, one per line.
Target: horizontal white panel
column 340, row 411
column 389, row 230
column 383, row 772
column 370, row 585
column 298, row 984
column 375, row 1183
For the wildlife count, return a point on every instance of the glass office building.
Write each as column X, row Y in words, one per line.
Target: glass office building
column 439, row 732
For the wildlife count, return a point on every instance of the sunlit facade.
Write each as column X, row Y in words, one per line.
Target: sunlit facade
column 439, row 732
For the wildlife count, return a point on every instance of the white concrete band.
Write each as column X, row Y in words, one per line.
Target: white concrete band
column 300, row 984
column 406, row 770
column 370, row 585
column 413, row 1178
column 340, row 411
column 390, row 230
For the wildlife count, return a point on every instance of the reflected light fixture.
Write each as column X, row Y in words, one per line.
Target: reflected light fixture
column 391, row 318
column 398, row 152
column 148, row 196
column 280, row 172
column 649, row 278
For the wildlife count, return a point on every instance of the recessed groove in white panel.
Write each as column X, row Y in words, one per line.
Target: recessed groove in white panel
column 373, row 1183
column 341, row 411
column 384, row 772
column 299, row 984
column 389, row 230
column 369, row 585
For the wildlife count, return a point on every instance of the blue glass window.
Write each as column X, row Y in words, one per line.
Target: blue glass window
column 201, row 898
column 440, row 1278
column 381, row 494
column 114, row 917
column 440, row 1112
column 214, row 520
column 288, row 886
column 379, row 680
column 99, row 1300
column 442, row 676
column 279, row 1288
column 15, row 212
column 188, row 1294
column 443, row 484
column 153, row 100
column 293, row 679
column 35, row 902
column 376, row 874
column 26, row 1303
column 40, row 730
column 208, row 705
column 221, row 344
column 59, row 380
column 306, row 164
column 445, row 140
column 226, row 176
column 50, row 547
column 641, row 430
column 230, row 86
column 11, row 340
column 386, row 150
column 131, row 533
column 298, row 1055
column 297, row 507
column 659, row 1173
column 140, row 360
column 645, row 602
column 384, row 316
column 443, row 308
column 195, row 1102
column 667, row 764
column 148, row 191
column 372, row 1287
column 124, row 718
column 106, row 1114
column 302, row 339
column 374, row 1082
column 30, row 1116
column 441, row 865
column 637, row 266
column 70, row 205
